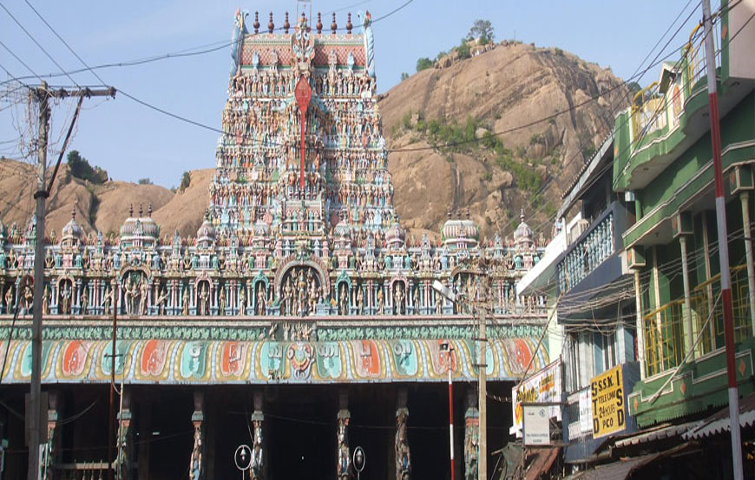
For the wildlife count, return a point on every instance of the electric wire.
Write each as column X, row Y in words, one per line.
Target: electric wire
column 35, row 41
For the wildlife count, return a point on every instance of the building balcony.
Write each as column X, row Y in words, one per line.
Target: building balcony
column 673, row 388
column 593, row 258
column 672, row 115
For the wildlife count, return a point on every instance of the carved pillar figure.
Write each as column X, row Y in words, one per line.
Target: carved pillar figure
column 125, row 438
column 343, row 467
column 258, row 460
column 471, row 435
column 196, row 466
column 403, row 455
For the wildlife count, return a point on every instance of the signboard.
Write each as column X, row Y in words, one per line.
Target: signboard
column 544, row 386
column 537, row 425
column 585, row 411
column 608, row 406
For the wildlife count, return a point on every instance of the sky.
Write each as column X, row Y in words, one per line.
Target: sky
column 132, row 141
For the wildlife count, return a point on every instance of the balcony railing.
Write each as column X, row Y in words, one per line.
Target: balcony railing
column 663, row 337
column 704, row 298
column 694, row 54
column 663, row 327
column 592, row 247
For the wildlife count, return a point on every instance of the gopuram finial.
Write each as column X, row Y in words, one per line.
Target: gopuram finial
column 270, row 24
column 73, row 212
column 286, row 25
column 130, row 210
column 349, row 26
column 256, row 24
column 149, row 210
column 319, row 23
column 140, row 210
column 333, row 24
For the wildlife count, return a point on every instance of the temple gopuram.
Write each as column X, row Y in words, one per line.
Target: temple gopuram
column 300, row 320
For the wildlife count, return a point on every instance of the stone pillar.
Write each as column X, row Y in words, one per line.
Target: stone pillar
column 51, row 455
column 125, row 438
column 196, row 463
column 471, row 435
column 343, row 467
column 403, row 455
column 257, row 471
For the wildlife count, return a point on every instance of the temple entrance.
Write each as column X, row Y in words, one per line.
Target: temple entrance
column 300, row 426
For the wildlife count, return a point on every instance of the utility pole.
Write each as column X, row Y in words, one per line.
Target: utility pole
column 723, row 246
column 37, row 415
column 482, row 471
column 34, row 415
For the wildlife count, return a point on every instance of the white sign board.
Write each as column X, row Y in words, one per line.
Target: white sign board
column 585, row 411
column 544, row 386
column 537, row 425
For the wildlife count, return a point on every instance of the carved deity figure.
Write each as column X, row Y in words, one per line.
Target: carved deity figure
column 66, row 297
column 403, row 454
column 28, row 298
column 380, row 301
column 9, row 299
column 143, row 298
column 301, row 294
column 161, row 300
column 185, row 302
column 343, row 300
column 260, row 299
column 242, row 301
column 398, row 300
column 257, row 456
column 46, row 301
column 204, row 297
column 84, row 299
column 195, row 468
column 221, row 301
column 344, row 460
column 360, row 300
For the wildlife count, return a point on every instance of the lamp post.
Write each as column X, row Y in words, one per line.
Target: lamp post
column 448, row 349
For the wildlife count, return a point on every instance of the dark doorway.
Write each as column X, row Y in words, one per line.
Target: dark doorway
column 170, row 433
column 300, row 426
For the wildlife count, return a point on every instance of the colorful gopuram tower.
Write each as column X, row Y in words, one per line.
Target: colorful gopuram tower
column 299, row 311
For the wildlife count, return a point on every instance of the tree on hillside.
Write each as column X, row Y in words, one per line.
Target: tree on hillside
column 463, row 49
column 483, row 31
column 404, row 76
column 424, row 63
column 185, row 181
column 144, row 181
column 80, row 168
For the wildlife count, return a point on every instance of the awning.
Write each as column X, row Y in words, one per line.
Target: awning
column 656, row 434
column 719, row 422
column 540, row 466
column 150, row 361
column 625, row 467
column 619, row 470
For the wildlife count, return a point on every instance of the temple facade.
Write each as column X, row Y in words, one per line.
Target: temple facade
column 300, row 320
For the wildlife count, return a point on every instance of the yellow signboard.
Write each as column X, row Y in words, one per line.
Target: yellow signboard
column 608, row 408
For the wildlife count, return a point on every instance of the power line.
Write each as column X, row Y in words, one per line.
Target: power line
column 21, row 62
column 64, row 43
column 36, row 42
column 188, row 52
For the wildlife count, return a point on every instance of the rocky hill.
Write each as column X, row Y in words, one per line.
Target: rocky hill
column 463, row 103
